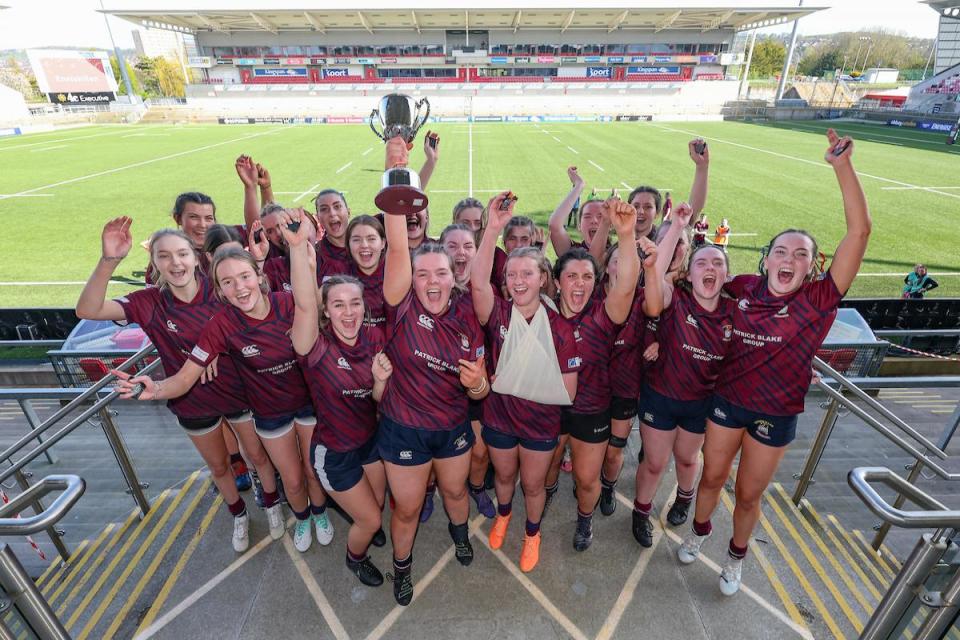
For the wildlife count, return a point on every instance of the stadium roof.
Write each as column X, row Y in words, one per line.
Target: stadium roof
column 344, row 15
column 944, row 6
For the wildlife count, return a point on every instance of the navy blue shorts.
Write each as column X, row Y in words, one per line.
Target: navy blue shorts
column 666, row 414
column 409, row 447
column 474, row 410
column 500, row 440
column 592, row 428
column 203, row 426
column 342, row 470
column 623, row 408
column 773, row 431
column 280, row 426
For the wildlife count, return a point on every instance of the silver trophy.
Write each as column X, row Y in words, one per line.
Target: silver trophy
column 400, row 115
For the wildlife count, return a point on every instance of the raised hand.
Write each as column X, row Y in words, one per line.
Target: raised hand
column 575, row 178
column 539, row 237
column 432, row 153
column 682, row 214
column 840, row 149
column 398, row 152
column 699, row 159
column 648, row 252
column 263, row 176
column 472, row 373
column 115, row 240
column 258, row 248
column 382, row 368
column 247, row 171
column 294, row 216
column 623, row 216
column 498, row 218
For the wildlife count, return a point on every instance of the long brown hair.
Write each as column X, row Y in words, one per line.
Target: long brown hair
column 232, row 253
column 158, row 278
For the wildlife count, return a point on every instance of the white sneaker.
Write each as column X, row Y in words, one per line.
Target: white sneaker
column 301, row 535
column 689, row 550
column 324, row 528
column 730, row 576
column 275, row 521
column 241, row 533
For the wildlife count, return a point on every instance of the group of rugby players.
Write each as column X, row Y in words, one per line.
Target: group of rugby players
column 350, row 355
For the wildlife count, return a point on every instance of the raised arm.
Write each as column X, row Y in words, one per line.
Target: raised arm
column 382, row 369
column 623, row 217
column 398, row 272
column 115, row 243
column 656, row 290
column 433, row 155
column 303, row 279
column 849, row 254
column 698, row 192
column 166, row 389
column 247, row 172
column 668, row 245
column 558, row 232
column 266, row 185
column 482, row 265
column 598, row 246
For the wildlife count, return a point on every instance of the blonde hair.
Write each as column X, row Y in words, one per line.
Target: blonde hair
column 232, row 253
column 158, row 278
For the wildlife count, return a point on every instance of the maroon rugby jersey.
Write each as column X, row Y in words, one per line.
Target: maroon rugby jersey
column 203, row 263
column 174, row 327
column 626, row 359
column 263, row 354
column 331, row 259
column 512, row 415
column 425, row 391
column 497, row 277
column 277, row 271
column 376, row 306
column 767, row 369
column 594, row 333
column 693, row 344
column 340, row 380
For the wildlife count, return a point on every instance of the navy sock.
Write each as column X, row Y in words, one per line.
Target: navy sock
column 302, row 515
column 533, row 528
column 607, row 484
column 551, row 489
column 505, row 509
column 318, row 511
column 475, row 489
column 584, row 518
column 403, row 566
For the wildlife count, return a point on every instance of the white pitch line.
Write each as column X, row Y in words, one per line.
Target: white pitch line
column 189, row 601
column 36, row 144
column 59, row 146
column 344, row 167
column 625, row 185
column 367, row 151
column 556, row 138
column 308, row 191
column 26, row 195
column 388, row 620
column 470, row 159
column 572, row 149
column 145, row 162
column 865, row 132
column 329, row 615
column 596, row 165
column 820, row 164
column 909, row 188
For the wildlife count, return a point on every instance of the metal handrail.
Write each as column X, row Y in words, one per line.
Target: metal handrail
column 935, row 515
column 72, row 488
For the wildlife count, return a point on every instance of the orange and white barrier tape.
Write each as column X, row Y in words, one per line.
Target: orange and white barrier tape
column 36, row 547
column 924, row 353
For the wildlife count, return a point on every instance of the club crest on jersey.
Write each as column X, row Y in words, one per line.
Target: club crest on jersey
column 763, row 428
column 464, row 343
column 425, row 321
column 692, row 321
column 576, row 334
column 479, row 352
column 250, row 351
column 343, row 364
column 783, row 313
column 743, row 304
column 503, row 332
column 727, row 332
column 287, row 287
column 172, row 327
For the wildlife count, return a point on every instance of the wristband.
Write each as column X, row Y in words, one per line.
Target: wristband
column 480, row 388
column 112, row 258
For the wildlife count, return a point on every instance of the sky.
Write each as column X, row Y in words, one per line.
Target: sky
column 28, row 23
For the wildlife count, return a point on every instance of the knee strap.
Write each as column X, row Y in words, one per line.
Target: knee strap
column 618, row 442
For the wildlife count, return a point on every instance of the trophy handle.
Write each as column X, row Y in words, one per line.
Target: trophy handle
column 375, row 115
column 421, row 120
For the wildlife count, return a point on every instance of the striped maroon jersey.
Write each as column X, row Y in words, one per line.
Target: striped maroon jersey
column 376, row 306
column 594, row 333
column 331, row 259
column 626, row 367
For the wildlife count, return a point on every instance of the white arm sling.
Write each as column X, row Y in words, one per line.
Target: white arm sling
column 528, row 366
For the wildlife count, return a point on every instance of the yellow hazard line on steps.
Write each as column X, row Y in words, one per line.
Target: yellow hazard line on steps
column 164, row 593
column 60, row 566
column 771, row 573
column 802, row 578
column 815, row 564
column 870, row 561
column 143, row 548
column 885, row 557
column 81, row 559
column 852, row 586
column 850, row 560
column 92, row 569
column 157, row 559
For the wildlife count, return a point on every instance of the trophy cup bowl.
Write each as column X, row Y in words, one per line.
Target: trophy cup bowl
column 400, row 115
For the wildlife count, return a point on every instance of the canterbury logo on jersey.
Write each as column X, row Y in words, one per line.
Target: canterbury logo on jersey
column 287, row 287
column 503, row 332
column 343, row 364
column 425, row 321
column 743, row 304
column 250, row 351
column 783, row 313
column 692, row 321
column 171, row 326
